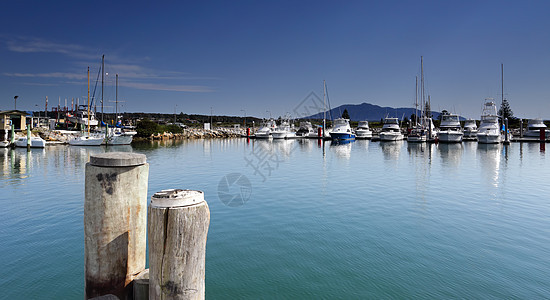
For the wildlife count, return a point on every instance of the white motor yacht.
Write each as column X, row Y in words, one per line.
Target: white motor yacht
column 489, row 131
column 266, row 129
column 83, row 116
column 119, row 136
column 533, row 128
column 283, row 131
column 470, row 130
column 449, row 129
column 341, row 130
column 306, row 130
column 363, row 130
column 391, row 130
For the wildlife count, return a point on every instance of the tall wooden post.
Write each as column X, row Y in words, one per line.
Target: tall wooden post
column 114, row 222
column 177, row 230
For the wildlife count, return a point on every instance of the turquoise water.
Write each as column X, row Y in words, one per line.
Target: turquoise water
column 358, row 220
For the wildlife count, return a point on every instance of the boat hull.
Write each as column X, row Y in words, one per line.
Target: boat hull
column 35, row 142
column 340, row 136
column 484, row 138
column 390, row 136
column 86, row 141
column 363, row 134
column 450, row 137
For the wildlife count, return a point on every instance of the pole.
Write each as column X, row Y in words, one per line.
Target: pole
column 88, row 116
column 28, row 135
column 177, row 230
column 15, row 100
column 102, row 80
column 114, row 222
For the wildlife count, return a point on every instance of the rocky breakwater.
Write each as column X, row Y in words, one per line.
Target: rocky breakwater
column 193, row 133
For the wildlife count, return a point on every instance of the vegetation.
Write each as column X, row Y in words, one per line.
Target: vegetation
column 505, row 111
column 345, row 114
column 146, row 127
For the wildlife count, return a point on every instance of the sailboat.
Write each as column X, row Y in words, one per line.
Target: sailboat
column 421, row 132
column 87, row 140
column 117, row 135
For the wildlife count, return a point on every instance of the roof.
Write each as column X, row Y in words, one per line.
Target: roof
column 14, row 112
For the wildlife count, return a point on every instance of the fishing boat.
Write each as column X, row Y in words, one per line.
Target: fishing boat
column 266, row 129
column 87, row 139
column 306, row 130
column 283, row 131
column 470, row 130
column 363, row 130
column 36, row 142
column 449, row 129
column 489, row 131
column 341, row 130
column 533, row 128
column 391, row 131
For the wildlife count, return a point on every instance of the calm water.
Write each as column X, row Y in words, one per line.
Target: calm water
column 359, row 220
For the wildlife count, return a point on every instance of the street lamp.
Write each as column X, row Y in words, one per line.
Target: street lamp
column 15, row 99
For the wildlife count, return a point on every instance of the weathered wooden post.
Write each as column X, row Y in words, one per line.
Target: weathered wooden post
column 115, row 222
column 177, row 230
column 12, row 137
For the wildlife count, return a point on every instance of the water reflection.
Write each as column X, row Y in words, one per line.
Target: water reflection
column 391, row 150
column 450, row 154
column 17, row 163
column 489, row 157
column 342, row 149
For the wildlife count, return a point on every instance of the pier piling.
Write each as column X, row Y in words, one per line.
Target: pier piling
column 177, row 230
column 115, row 219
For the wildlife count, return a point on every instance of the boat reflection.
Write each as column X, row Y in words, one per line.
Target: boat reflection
column 342, row 148
column 391, row 149
column 451, row 154
column 489, row 158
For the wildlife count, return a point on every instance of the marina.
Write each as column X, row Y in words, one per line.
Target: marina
column 486, row 238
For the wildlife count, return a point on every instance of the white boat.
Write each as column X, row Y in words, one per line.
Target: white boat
column 266, row 129
column 449, row 129
column 391, row 130
column 306, row 130
column 533, row 128
column 470, row 130
column 36, row 142
column 283, row 131
column 119, row 136
column 87, row 139
column 489, row 131
column 363, row 130
column 424, row 130
column 341, row 130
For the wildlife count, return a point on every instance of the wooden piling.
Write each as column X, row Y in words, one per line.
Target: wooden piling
column 28, row 136
column 114, row 222
column 177, row 230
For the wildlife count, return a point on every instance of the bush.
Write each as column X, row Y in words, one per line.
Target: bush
column 146, row 128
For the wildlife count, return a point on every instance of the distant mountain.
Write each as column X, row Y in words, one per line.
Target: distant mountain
column 369, row 112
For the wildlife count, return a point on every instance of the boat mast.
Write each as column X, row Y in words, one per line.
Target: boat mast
column 324, row 108
column 88, row 117
column 416, row 103
column 422, row 97
column 116, row 101
column 102, row 80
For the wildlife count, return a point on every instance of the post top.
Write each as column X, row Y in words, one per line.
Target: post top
column 176, row 198
column 117, row 159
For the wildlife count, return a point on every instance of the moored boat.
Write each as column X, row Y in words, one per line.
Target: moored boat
column 341, row 130
column 449, row 129
column 266, row 129
column 36, row 142
column 283, row 131
column 391, row 131
column 470, row 130
column 489, row 131
column 363, row 130
column 533, row 128
column 306, row 130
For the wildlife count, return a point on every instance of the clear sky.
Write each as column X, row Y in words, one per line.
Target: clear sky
column 265, row 57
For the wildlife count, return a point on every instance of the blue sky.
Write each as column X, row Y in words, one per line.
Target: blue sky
column 265, row 57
